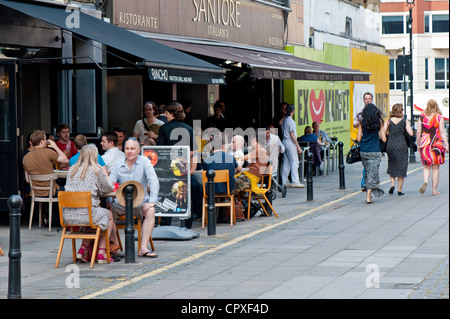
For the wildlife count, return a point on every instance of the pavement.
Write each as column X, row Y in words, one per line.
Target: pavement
column 334, row 247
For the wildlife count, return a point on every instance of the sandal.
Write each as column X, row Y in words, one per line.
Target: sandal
column 101, row 258
column 84, row 254
column 149, row 254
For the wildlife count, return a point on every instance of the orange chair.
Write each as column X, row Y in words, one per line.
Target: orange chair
column 42, row 199
column 265, row 185
column 79, row 200
column 222, row 176
column 137, row 225
column 1, row 251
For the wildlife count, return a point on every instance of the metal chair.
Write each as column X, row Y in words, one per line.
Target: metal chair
column 222, row 176
column 38, row 183
column 79, row 200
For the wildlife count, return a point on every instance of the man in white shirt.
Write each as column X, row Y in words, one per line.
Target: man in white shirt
column 112, row 153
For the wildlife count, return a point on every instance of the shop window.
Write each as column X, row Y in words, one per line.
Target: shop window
column 393, row 24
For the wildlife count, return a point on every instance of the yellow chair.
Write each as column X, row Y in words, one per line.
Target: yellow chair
column 34, row 182
column 79, row 200
column 265, row 185
column 222, row 176
column 137, row 225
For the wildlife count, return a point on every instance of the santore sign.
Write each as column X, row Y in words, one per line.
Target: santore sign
column 243, row 21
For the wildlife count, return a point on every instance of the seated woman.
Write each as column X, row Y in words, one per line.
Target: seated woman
column 88, row 175
column 309, row 136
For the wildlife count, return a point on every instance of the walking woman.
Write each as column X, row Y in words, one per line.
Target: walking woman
column 88, row 175
column 370, row 131
column 396, row 147
column 433, row 144
column 290, row 162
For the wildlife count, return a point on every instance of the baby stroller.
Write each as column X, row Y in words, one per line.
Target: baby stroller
column 281, row 188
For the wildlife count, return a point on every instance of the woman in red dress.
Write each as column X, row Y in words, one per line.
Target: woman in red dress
column 433, row 144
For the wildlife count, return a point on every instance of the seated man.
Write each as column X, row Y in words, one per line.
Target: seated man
column 135, row 167
column 39, row 161
column 64, row 143
column 236, row 148
column 79, row 141
column 257, row 160
column 219, row 160
column 112, row 153
column 321, row 134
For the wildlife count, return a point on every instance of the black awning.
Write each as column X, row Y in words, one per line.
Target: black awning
column 161, row 58
column 279, row 65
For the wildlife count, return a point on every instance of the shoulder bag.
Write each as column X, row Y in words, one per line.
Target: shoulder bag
column 353, row 155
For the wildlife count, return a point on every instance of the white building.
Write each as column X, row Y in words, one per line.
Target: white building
column 430, row 48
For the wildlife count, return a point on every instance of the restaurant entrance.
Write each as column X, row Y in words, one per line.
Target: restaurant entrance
column 8, row 132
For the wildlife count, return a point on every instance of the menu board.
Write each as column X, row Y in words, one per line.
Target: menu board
column 172, row 166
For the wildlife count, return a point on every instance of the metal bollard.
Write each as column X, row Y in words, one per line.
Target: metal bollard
column 309, row 179
column 211, row 203
column 129, row 225
column 341, row 166
column 15, row 255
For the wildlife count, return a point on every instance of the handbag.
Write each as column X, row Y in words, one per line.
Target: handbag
column 411, row 142
column 353, row 155
column 383, row 144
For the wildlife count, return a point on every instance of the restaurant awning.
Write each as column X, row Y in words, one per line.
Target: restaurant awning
column 279, row 65
column 164, row 63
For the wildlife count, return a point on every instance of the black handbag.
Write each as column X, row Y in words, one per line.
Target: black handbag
column 411, row 142
column 353, row 155
column 383, row 144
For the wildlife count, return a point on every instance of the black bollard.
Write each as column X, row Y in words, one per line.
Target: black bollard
column 15, row 255
column 129, row 225
column 211, row 210
column 309, row 179
column 341, row 166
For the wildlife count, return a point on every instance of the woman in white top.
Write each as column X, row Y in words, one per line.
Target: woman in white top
column 291, row 162
column 148, row 126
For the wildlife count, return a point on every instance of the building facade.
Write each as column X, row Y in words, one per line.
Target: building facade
column 343, row 33
column 430, row 51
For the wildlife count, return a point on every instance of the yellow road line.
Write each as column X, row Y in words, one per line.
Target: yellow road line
column 216, row 248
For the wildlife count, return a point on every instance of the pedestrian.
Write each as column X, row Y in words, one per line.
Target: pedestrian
column 433, row 144
column 87, row 175
column 370, row 131
column 367, row 99
column 290, row 159
column 396, row 147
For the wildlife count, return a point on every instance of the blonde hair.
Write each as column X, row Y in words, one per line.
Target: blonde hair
column 397, row 110
column 87, row 158
column 432, row 107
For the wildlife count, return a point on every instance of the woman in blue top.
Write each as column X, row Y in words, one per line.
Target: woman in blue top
column 370, row 131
